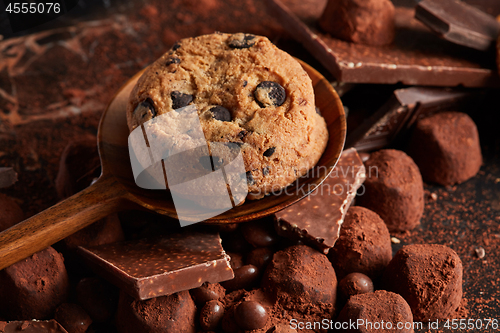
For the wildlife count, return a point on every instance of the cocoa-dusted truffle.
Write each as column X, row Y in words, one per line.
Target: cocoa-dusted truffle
column 33, row 287
column 364, row 245
column 73, row 318
column 380, row 311
column 164, row 314
column 429, row 277
column 10, row 213
column 393, row 189
column 368, row 22
column 300, row 276
column 446, row 148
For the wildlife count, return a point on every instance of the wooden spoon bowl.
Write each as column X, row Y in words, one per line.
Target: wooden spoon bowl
column 115, row 190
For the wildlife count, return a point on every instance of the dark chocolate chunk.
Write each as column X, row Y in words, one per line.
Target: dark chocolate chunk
column 269, row 93
column 145, row 110
column 173, row 60
column 265, row 171
column 151, row 268
column 459, row 23
column 269, row 152
column 242, row 134
column 7, row 177
column 250, row 179
column 241, row 41
column 244, row 277
column 220, row 113
column 250, row 315
column 245, row 82
column 317, row 219
column 211, row 315
column 180, row 100
column 176, row 46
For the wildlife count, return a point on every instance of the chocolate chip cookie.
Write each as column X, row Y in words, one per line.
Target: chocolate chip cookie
column 248, row 94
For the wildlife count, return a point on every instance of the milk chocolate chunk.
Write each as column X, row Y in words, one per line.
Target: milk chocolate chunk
column 180, row 100
column 220, row 113
column 317, row 219
column 459, row 23
column 155, row 267
column 269, row 93
column 241, row 41
column 31, row 326
column 7, row 177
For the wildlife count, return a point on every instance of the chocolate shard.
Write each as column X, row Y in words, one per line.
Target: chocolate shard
column 7, row 177
column 401, row 111
column 459, row 23
column 150, row 268
column 31, row 326
column 416, row 57
column 317, row 219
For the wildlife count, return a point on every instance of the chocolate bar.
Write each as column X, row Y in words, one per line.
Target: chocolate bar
column 317, row 219
column 416, row 57
column 401, row 111
column 31, row 326
column 155, row 267
column 7, row 177
column 459, row 23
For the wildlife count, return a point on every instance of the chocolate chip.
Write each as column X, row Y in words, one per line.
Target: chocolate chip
column 269, row 152
column 145, row 110
column 242, row 134
column 265, row 171
column 250, row 315
column 220, row 113
column 318, row 111
column 250, row 179
column 180, row 100
column 211, row 315
column 173, row 60
column 245, row 82
column 354, row 284
column 269, row 93
column 244, row 277
column 241, row 41
column 176, row 46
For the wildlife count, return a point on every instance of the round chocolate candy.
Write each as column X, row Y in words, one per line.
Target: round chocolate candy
column 250, row 315
column 244, row 277
column 354, row 284
column 211, row 315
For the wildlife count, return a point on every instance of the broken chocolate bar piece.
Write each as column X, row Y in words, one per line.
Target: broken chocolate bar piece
column 7, row 177
column 401, row 111
column 316, row 219
column 155, row 267
column 416, row 57
column 31, row 326
column 459, row 23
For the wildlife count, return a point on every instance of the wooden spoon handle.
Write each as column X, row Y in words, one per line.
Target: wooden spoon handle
column 102, row 198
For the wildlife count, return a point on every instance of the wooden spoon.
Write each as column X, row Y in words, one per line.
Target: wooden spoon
column 115, row 190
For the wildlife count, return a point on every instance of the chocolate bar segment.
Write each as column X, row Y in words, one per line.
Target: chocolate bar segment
column 152, row 268
column 459, row 23
column 31, row 326
column 317, row 218
column 416, row 57
column 7, row 177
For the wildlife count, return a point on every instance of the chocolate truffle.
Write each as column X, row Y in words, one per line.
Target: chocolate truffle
column 10, row 212
column 368, row 22
column 429, row 277
column 164, row 314
column 300, row 276
column 97, row 297
column 446, row 148
column 73, row 318
column 355, row 284
column 364, row 245
column 393, row 189
column 380, row 311
column 33, row 287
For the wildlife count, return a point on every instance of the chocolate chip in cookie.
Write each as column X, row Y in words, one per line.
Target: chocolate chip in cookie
column 241, row 41
column 265, row 171
column 220, row 113
column 269, row 152
column 145, row 110
column 176, row 46
column 180, row 100
column 269, row 93
column 173, row 60
column 250, row 179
